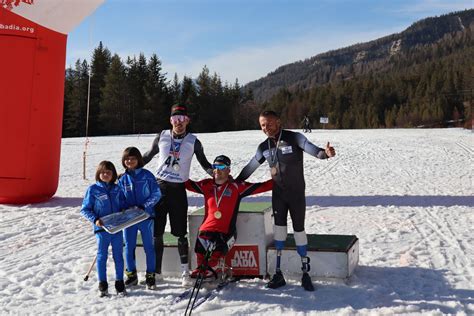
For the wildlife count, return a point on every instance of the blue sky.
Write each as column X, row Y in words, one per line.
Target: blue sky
column 244, row 39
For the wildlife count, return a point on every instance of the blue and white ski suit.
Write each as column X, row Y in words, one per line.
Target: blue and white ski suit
column 140, row 189
column 103, row 199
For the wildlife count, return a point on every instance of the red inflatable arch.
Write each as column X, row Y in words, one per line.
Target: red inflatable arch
column 33, row 37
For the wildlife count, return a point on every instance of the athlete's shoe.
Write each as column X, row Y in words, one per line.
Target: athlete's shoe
column 120, row 287
column 306, row 282
column 150, row 281
column 132, row 278
column 277, row 281
column 103, row 288
column 186, row 279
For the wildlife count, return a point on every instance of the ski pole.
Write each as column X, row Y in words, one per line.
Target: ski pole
column 200, row 278
column 90, row 269
column 194, row 295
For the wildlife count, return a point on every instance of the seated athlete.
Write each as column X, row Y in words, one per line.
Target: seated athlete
column 222, row 197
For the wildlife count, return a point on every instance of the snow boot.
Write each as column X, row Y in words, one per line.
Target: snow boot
column 120, row 288
column 103, row 289
column 150, row 281
column 306, row 282
column 186, row 280
column 277, row 281
column 132, row 278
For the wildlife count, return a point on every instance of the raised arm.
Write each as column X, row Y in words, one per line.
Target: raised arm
column 201, row 157
column 247, row 171
column 194, row 186
column 251, row 166
column 153, row 150
column 310, row 148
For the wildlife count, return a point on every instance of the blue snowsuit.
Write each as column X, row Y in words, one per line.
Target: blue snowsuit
column 103, row 199
column 140, row 189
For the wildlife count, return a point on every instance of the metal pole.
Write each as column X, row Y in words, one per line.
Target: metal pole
column 88, row 105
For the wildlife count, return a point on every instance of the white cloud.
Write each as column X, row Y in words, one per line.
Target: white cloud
column 251, row 63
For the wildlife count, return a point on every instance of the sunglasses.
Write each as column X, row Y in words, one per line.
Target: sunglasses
column 178, row 118
column 219, row 167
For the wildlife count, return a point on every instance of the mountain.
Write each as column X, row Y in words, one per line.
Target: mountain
column 377, row 56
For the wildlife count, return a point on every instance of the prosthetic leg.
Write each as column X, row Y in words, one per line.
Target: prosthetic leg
column 279, row 235
column 183, row 250
column 301, row 241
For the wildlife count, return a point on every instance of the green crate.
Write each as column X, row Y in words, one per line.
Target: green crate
column 246, row 207
column 168, row 240
column 326, row 243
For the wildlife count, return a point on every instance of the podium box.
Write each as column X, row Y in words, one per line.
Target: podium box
column 331, row 256
column 254, row 234
column 171, row 264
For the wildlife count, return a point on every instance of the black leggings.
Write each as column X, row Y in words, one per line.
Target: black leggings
column 286, row 200
column 175, row 203
column 219, row 238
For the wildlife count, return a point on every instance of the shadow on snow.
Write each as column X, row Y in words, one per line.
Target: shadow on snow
column 322, row 201
column 369, row 200
column 407, row 289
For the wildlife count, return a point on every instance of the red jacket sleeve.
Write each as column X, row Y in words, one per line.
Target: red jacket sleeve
column 247, row 188
column 194, row 186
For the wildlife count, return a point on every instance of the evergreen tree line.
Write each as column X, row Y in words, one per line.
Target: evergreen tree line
column 134, row 97
column 430, row 85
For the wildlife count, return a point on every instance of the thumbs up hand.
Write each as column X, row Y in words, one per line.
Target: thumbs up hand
column 330, row 152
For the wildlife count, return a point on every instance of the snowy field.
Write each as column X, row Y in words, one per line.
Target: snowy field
column 406, row 194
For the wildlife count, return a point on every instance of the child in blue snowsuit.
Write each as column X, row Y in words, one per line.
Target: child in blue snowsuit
column 141, row 190
column 104, row 198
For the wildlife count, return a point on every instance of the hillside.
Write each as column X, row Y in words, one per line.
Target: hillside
column 373, row 57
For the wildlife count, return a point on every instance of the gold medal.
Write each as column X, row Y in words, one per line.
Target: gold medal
column 273, row 171
column 273, row 159
column 217, row 213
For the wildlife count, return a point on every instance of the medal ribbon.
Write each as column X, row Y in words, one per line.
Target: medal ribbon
column 218, row 201
column 175, row 153
column 273, row 159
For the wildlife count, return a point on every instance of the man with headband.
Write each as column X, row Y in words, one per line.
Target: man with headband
column 283, row 150
column 175, row 149
column 222, row 197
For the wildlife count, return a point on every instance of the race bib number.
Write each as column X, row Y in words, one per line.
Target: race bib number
column 286, row 150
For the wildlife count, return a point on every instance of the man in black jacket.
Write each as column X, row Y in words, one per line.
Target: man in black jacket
column 283, row 150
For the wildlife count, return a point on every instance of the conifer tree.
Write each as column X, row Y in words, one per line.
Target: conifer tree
column 100, row 64
column 76, row 100
column 115, row 114
column 137, row 76
column 157, row 96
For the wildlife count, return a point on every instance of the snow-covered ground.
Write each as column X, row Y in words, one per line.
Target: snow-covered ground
column 406, row 194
